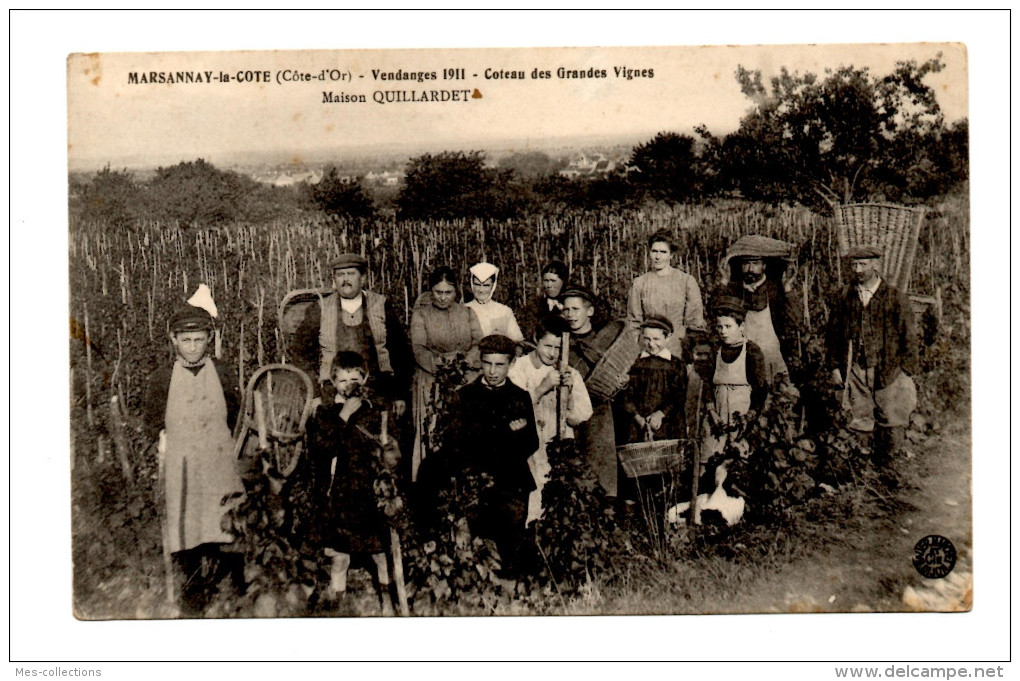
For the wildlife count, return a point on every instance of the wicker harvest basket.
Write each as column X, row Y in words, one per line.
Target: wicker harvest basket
column 292, row 313
column 895, row 229
column 652, row 458
column 610, row 374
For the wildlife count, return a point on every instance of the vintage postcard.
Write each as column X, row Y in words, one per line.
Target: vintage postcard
column 548, row 331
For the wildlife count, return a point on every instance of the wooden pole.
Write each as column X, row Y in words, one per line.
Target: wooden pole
column 562, row 392
column 120, row 440
column 696, row 463
column 260, row 421
column 168, row 570
column 398, row 555
column 88, row 371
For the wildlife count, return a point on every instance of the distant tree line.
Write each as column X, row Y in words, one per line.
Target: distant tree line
column 192, row 194
column 843, row 137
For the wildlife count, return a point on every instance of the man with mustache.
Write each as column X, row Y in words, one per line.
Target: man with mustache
column 872, row 353
column 755, row 267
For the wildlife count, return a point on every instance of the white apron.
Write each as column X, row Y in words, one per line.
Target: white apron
column 200, row 466
column 732, row 396
column 759, row 330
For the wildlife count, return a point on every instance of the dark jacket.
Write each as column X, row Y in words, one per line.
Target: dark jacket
column 892, row 341
column 157, row 388
column 484, row 441
column 351, row 520
column 537, row 311
column 395, row 386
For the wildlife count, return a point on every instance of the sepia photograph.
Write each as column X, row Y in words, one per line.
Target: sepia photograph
column 397, row 336
column 530, row 332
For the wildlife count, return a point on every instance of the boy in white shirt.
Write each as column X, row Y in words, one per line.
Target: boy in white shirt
column 539, row 373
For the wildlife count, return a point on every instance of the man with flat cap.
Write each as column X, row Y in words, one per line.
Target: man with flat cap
column 872, row 352
column 352, row 318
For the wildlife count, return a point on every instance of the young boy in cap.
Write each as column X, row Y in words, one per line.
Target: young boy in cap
column 740, row 377
column 654, row 397
column 872, row 352
column 496, row 435
column 347, row 457
column 540, row 374
column 195, row 403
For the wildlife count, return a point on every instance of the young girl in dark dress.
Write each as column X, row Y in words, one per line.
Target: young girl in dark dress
column 346, row 454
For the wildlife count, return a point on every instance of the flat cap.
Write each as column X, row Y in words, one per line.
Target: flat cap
column 864, row 252
column 729, row 306
column 191, row 318
column 578, row 292
column 657, row 322
column 498, row 344
column 349, row 260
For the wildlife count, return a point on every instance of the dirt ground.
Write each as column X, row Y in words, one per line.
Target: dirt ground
column 869, row 568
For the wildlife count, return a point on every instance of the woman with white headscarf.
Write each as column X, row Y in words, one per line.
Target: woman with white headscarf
column 494, row 317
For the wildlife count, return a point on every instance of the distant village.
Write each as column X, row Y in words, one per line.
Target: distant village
column 576, row 164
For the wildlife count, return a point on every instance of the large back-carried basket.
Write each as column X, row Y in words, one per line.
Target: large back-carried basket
column 610, row 374
column 283, row 394
column 895, row 229
column 291, row 315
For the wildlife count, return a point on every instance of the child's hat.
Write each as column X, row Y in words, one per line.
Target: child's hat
column 578, row 292
column 497, row 344
column 657, row 322
column 191, row 318
column 729, row 305
column 483, row 271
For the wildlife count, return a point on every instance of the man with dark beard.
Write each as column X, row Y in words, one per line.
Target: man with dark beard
column 756, row 266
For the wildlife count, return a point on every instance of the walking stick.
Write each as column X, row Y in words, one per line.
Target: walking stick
column 844, row 400
column 562, row 395
column 260, row 421
column 168, row 574
column 398, row 555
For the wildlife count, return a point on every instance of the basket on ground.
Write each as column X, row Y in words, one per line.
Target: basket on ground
column 655, row 457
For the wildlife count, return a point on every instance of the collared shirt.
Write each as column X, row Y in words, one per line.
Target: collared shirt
column 352, row 305
column 866, row 293
column 663, row 353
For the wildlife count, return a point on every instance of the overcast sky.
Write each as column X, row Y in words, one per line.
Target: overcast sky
column 45, row 629
column 111, row 120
